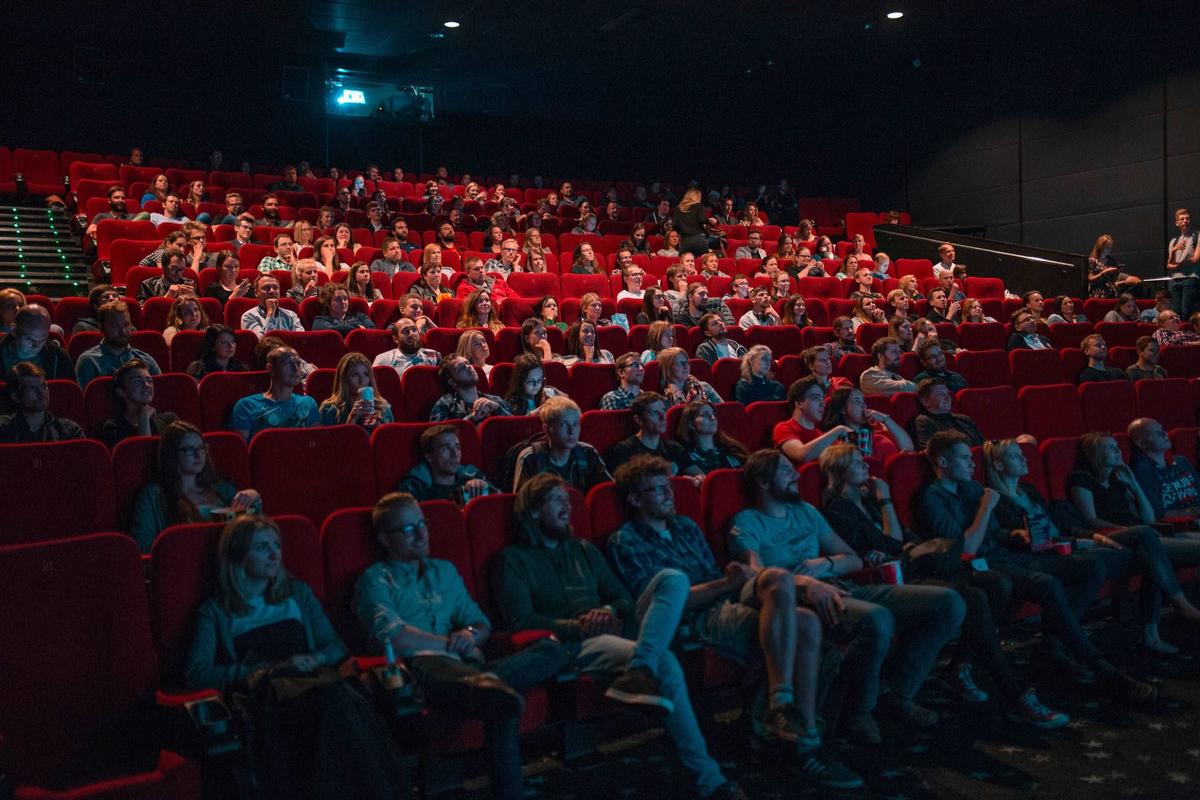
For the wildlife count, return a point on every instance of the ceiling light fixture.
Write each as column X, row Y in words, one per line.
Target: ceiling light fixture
column 895, row 14
column 451, row 24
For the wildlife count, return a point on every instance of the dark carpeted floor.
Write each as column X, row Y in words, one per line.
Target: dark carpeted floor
column 1106, row 752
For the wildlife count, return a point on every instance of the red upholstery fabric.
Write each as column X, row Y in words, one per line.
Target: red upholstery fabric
column 1168, row 401
column 327, row 468
column 1051, row 411
column 37, row 473
column 1108, row 405
column 220, row 391
column 1037, row 368
column 396, row 449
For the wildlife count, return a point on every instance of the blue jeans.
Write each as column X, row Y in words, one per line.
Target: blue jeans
column 1185, row 295
column 923, row 618
column 658, row 611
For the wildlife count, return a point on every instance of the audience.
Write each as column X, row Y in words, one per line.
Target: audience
column 269, row 315
column 876, row 433
column 936, row 399
column 1025, row 335
column 599, row 621
column 335, row 311
column 440, row 474
column 31, row 421
column 800, row 437
column 534, row 342
column 29, row 341
column 100, row 294
column 463, row 400
column 580, row 346
column 355, row 399
column 185, row 314
column 883, row 378
column 1170, row 333
column 279, row 406
column 1146, row 367
column 527, row 389
column 630, row 371
column 756, row 382
column 217, row 353
column 1126, row 310
column 1096, row 350
column 676, row 381
column 649, row 412
column 860, row 511
column 131, row 393
column 1063, row 310
column 265, row 634
column 115, row 350
column 934, row 362
column 187, row 488
column 408, row 351
column 705, row 444
column 716, row 343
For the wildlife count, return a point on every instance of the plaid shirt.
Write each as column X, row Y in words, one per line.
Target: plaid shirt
column 617, row 399
column 1181, row 337
column 638, row 553
column 452, row 406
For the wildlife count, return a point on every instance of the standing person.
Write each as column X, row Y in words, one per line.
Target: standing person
column 1105, row 278
column 860, row 510
column 264, row 633
column 418, row 607
column 552, row 580
column 690, row 220
column 1183, row 251
column 778, row 529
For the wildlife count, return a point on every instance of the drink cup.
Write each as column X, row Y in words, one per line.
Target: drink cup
column 367, row 393
column 1061, row 548
column 866, row 444
column 891, row 573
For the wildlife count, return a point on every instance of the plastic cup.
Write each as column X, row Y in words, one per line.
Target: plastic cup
column 891, row 573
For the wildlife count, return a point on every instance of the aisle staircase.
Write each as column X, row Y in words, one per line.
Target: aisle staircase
column 39, row 254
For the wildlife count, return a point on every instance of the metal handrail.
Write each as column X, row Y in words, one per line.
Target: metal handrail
column 894, row 232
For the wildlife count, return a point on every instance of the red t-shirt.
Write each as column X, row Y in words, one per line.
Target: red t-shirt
column 791, row 429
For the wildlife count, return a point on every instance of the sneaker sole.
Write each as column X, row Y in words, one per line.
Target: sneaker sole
column 648, row 700
column 828, row 783
column 1046, row 725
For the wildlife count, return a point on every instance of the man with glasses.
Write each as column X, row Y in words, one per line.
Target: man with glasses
column 268, row 315
column 279, row 406
column 233, row 209
column 418, row 608
column 343, row 200
column 243, row 231
column 509, row 260
column 1170, row 333
column 561, row 454
column 172, row 282
column 32, row 421
column 285, row 254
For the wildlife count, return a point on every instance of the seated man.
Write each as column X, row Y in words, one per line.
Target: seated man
column 462, row 399
column 285, row 254
column 762, row 312
column 116, row 209
column 630, row 372
column 753, row 247
column 1035, row 304
column 412, row 306
column 716, row 343
column 171, row 283
column 945, row 259
column 933, row 359
column 940, row 308
column 954, row 507
column 418, row 608
column 30, row 341
column 552, row 581
column 408, row 351
column 1097, row 369
column 1169, row 482
column 392, row 259
column 561, row 454
column 649, row 410
column 400, row 234
column 781, row 530
column 843, row 333
column 234, row 208
column 279, row 406
column 477, row 278
column 270, row 216
column 1146, row 367
column 287, row 183
column 696, row 304
column 115, row 350
column 268, row 315
column 732, row 610
column 441, row 475
column 1170, row 333
column 936, row 400
column 799, row 437
column 509, row 260
column 31, row 422
column 172, row 211
column 1025, row 335
column 884, row 378
column 243, row 231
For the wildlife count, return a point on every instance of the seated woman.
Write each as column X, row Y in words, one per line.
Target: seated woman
column 1126, row 310
column 677, row 383
column 785, row 247
column 1105, row 277
column 227, row 284
column 580, row 347
column 1062, row 309
column 865, row 310
column 533, row 244
column 302, row 234
column 860, row 511
column 473, row 346
column 186, row 314
column 304, row 280
column 750, row 217
column 265, row 636
column 431, row 256
column 824, row 251
column 132, row 391
column 768, row 266
column 326, row 255
column 924, row 330
column 584, row 261
column 900, row 329
column 1136, row 547
column 546, row 311
column 909, row 285
column 633, row 276
column 756, row 382
column 972, row 311
column 359, row 284
column 356, row 399
column 343, row 236
column 533, row 340
column 659, row 337
column 670, row 244
column 656, row 306
column 878, row 436
column 709, row 266
column 335, row 311
column 591, row 309
column 587, row 224
column 429, row 285
column 781, row 287
column 477, row 312
column 527, row 388
column 795, row 311
column 188, row 488
column 216, row 353
column 536, row 263
column 707, row 447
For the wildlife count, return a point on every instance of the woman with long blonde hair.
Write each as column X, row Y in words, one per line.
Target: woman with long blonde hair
column 351, row 403
column 477, row 312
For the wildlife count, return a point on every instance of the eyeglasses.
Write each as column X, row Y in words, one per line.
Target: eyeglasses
column 190, row 452
column 408, row 531
column 662, row 490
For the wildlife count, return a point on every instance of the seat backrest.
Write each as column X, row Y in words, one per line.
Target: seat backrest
column 608, row 511
column 603, row 429
column 1168, row 401
column 77, row 656
column 38, row 473
column 323, row 348
column 1179, row 362
column 1065, row 335
column 220, row 391
column 1058, row 461
column 1037, row 368
column 982, row 336
column 1108, row 405
column 722, row 496
column 1052, row 410
column 994, row 409
column 906, row 473
column 327, row 468
column 396, row 449
column 498, row 434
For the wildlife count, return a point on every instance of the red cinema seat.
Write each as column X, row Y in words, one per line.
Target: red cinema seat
column 78, row 666
column 1179, row 362
column 6, row 171
column 1184, row 442
column 722, row 496
column 783, row 340
column 1037, row 368
column 608, row 510
column 995, row 411
column 853, row 365
column 183, row 575
column 326, row 469
column 982, row 336
column 220, row 391
column 1069, row 335
column 1169, row 401
column 869, row 332
column 38, row 473
column 174, row 392
column 1052, row 410
column 983, row 288
column 40, row 168
column 323, row 348
column 579, row 285
column 1108, row 405
column 983, row 368
column 498, row 434
column 1058, row 461
column 421, row 388
column 761, row 419
column 396, row 449
column 829, row 288
column 535, row 285
column 590, row 382
column 906, row 473
column 69, row 310
column 66, row 400
column 603, row 429
column 109, row 230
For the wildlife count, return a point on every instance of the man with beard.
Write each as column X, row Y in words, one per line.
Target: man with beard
column 270, row 213
column 104, row 358
column 408, row 351
column 463, row 400
column 116, row 209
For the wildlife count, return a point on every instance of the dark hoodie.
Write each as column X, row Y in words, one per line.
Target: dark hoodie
column 537, row 586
